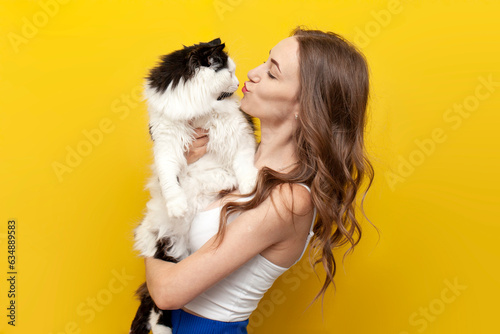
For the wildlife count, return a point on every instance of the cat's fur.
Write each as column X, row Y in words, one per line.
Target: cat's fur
column 190, row 88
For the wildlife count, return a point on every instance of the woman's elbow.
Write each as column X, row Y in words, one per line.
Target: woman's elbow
column 166, row 299
column 166, row 287
column 168, row 302
column 168, row 305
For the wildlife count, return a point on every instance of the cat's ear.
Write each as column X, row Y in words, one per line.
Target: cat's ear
column 214, row 42
column 215, row 59
column 212, row 57
column 218, row 48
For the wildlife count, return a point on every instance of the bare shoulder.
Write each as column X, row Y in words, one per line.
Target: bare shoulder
column 292, row 209
column 294, row 199
column 276, row 219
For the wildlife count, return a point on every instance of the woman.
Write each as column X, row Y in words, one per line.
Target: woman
column 310, row 96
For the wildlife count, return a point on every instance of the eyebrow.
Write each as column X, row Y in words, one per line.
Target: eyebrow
column 275, row 62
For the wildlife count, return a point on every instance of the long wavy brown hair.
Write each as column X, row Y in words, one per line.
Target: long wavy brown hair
column 329, row 139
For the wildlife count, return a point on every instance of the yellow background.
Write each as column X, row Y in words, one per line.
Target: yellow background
column 76, row 72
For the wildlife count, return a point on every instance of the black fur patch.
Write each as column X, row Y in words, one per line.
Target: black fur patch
column 140, row 324
column 163, row 247
column 151, row 133
column 165, row 318
column 182, row 64
column 224, row 95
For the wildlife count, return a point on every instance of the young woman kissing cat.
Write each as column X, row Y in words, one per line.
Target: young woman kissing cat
column 311, row 97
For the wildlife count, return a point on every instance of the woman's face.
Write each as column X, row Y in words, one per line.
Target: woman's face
column 272, row 90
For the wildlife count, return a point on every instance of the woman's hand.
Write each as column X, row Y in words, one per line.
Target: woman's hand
column 198, row 147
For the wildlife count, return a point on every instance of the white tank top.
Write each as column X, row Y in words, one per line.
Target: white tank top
column 235, row 297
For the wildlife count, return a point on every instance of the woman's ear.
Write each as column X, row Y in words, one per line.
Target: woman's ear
column 296, row 106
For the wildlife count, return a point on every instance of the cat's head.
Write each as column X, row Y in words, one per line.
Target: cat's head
column 201, row 71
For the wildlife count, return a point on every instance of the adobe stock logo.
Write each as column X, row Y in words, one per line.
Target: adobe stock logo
column 223, row 6
column 454, row 117
column 31, row 26
column 381, row 19
column 89, row 309
column 429, row 313
column 93, row 138
column 290, row 281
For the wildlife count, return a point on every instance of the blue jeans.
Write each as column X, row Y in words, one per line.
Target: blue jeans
column 187, row 323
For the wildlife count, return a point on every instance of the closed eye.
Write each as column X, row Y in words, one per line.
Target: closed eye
column 269, row 72
column 270, row 75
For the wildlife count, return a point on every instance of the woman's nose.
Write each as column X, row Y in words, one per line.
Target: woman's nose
column 254, row 74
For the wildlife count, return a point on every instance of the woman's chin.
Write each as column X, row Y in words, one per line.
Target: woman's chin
column 244, row 106
column 251, row 108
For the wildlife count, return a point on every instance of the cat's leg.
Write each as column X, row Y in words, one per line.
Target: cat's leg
column 236, row 142
column 243, row 163
column 147, row 233
column 205, row 179
column 145, row 240
column 169, row 161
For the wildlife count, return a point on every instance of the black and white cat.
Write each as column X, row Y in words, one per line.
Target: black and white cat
column 190, row 88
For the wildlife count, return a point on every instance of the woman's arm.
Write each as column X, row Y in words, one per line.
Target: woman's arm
column 173, row 285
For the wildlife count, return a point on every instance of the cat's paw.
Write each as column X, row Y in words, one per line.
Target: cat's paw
column 177, row 207
column 247, row 183
column 145, row 240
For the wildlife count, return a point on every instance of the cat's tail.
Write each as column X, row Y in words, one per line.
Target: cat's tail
column 149, row 316
column 140, row 324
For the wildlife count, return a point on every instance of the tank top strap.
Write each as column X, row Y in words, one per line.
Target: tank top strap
column 311, row 233
column 305, row 186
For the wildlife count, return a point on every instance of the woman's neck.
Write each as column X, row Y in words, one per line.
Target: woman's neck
column 276, row 149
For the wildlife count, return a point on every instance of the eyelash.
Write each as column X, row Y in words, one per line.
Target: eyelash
column 270, row 75
column 269, row 72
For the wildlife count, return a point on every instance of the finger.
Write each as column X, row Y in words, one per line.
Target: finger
column 200, row 132
column 200, row 142
column 199, row 152
column 195, row 154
